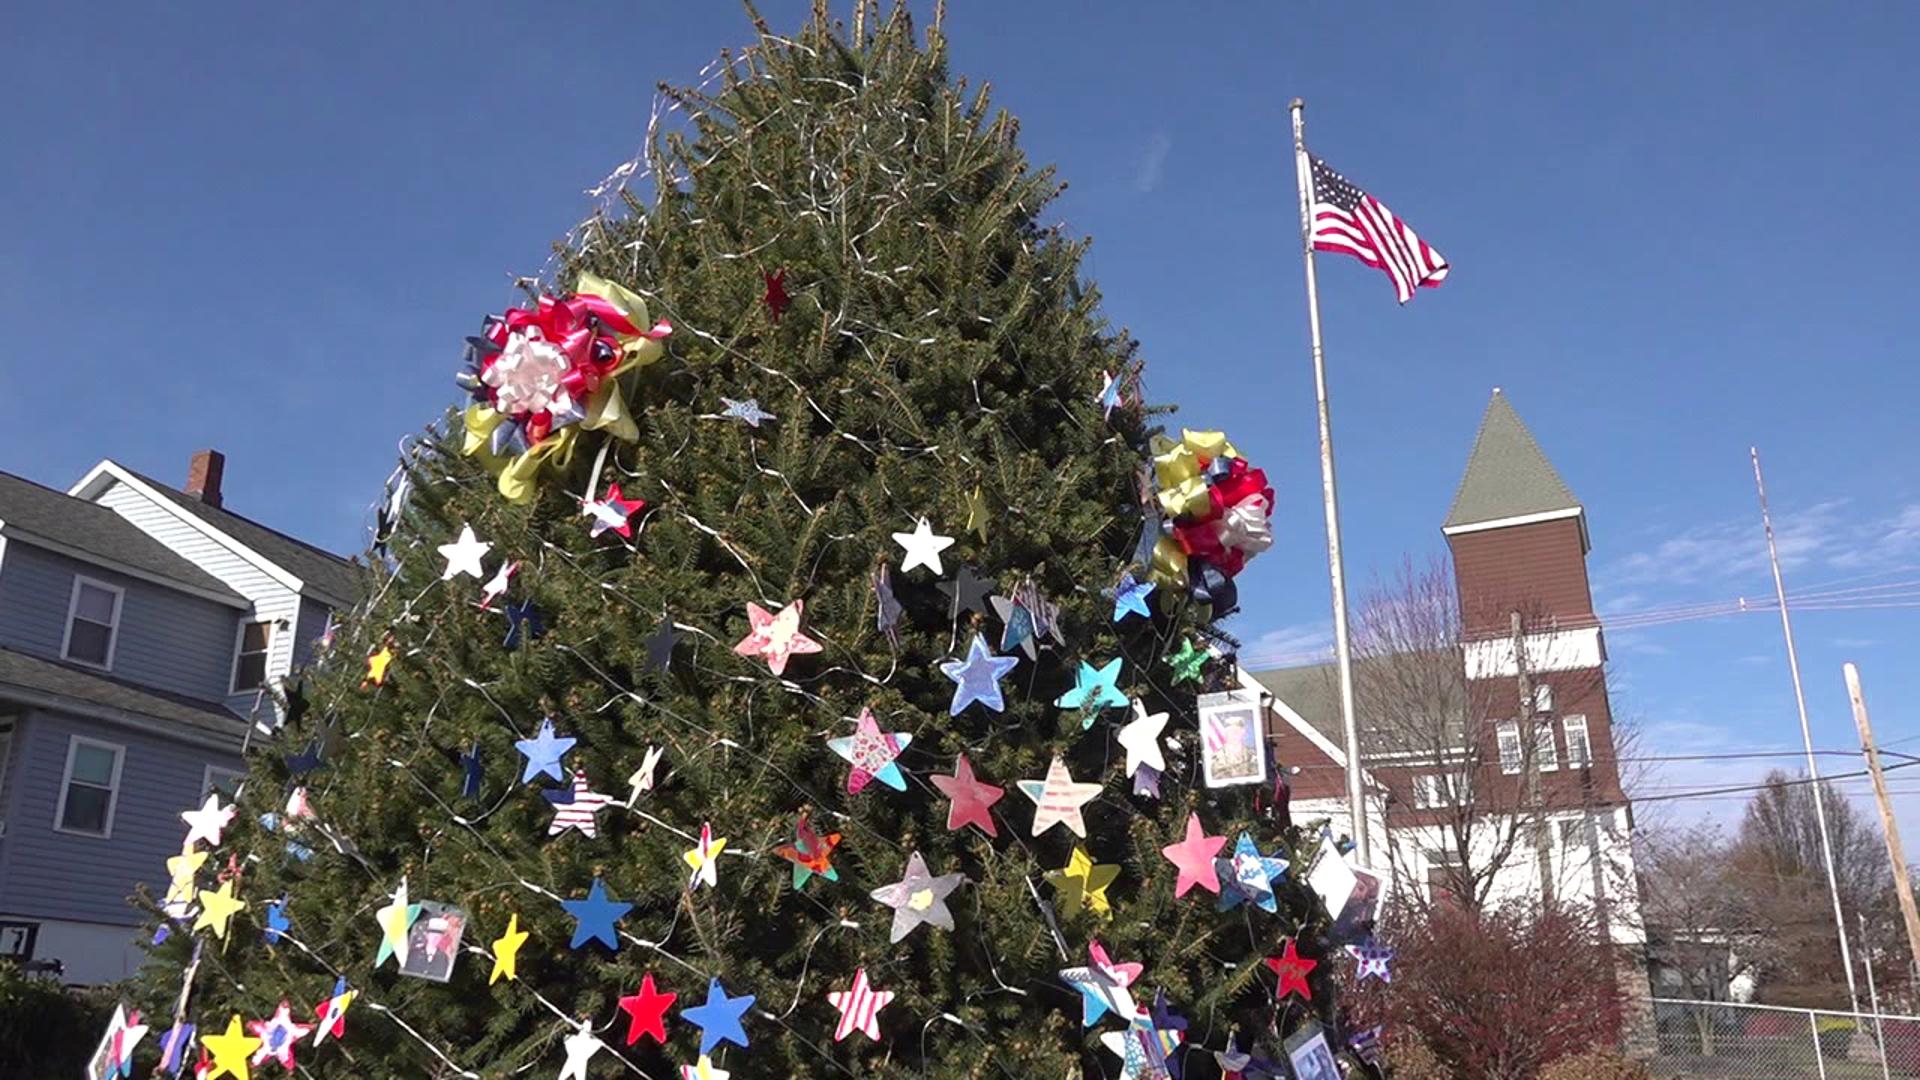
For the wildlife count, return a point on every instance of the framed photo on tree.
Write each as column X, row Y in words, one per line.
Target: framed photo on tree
column 1233, row 739
column 1308, row 1053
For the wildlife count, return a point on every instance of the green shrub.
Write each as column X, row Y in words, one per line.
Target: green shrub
column 46, row 1029
column 1596, row 1065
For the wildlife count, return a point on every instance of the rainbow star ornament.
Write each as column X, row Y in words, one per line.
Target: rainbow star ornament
column 395, row 919
column 872, row 753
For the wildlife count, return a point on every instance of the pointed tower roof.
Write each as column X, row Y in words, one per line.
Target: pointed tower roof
column 1507, row 476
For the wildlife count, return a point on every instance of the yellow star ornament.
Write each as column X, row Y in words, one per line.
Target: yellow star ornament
column 217, row 909
column 1083, row 882
column 377, row 665
column 230, row 1051
column 977, row 514
column 506, row 950
column 180, row 871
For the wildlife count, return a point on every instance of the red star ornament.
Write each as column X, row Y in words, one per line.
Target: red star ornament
column 1292, row 968
column 777, row 299
column 775, row 638
column 972, row 799
column 648, row 1010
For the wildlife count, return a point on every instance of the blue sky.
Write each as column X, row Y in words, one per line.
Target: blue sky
column 266, row 228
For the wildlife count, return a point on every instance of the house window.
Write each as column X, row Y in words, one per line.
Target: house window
column 1543, row 698
column 250, row 659
column 1579, row 750
column 1441, row 874
column 1544, row 751
column 226, row 782
column 90, row 788
column 1511, row 754
column 93, row 618
column 1433, row 789
column 1573, row 832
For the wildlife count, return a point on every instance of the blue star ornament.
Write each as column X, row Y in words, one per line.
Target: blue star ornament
column 1094, row 689
column 277, row 921
column 472, row 772
column 1130, row 597
column 305, row 761
column 719, row 1018
column 748, row 412
column 1249, row 876
column 977, row 678
column 543, row 753
column 523, row 623
column 596, row 916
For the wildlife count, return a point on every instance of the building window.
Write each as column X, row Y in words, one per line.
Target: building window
column 225, row 782
column 90, row 788
column 93, row 618
column 1511, row 753
column 250, row 659
column 1442, row 867
column 1579, row 750
column 1545, row 753
column 1543, row 698
column 1573, row 832
column 1434, row 789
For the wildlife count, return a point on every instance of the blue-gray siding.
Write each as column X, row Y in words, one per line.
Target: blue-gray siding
column 55, row 875
column 313, row 623
column 166, row 639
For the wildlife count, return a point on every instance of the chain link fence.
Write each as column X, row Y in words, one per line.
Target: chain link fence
column 1720, row 1040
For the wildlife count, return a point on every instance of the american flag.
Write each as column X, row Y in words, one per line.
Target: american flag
column 1349, row 221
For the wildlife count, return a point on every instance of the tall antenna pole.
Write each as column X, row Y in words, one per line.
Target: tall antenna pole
column 1806, row 733
column 1342, row 648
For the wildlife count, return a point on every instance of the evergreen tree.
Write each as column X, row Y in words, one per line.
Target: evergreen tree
column 848, row 238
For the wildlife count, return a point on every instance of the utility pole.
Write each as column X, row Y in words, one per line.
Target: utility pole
column 1530, row 759
column 1806, row 734
column 1902, row 884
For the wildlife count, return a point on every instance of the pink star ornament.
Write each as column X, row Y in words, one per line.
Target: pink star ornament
column 776, row 637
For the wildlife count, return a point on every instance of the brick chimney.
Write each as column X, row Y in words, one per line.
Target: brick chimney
column 203, row 476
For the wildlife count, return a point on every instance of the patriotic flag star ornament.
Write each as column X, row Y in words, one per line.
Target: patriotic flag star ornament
column 576, row 809
column 613, row 513
column 278, row 1036
column 1057, row 799
column 331, row 1014
column 859, row 1008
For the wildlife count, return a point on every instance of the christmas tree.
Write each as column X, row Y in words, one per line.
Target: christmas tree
column 786, row 665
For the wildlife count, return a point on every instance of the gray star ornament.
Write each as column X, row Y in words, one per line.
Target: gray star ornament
column 919, row 897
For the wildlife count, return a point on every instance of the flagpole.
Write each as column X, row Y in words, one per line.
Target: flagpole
column 1342, row 648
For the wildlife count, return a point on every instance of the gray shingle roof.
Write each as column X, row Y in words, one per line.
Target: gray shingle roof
column 325, row 571
column 1507, row 475
column 97, row 531
column 45, row 677
column 1384, row 687
column 1313, row 691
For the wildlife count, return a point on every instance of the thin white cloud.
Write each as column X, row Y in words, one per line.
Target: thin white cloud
column 1286, row 646
column 1153, row 163
column 1829, row 535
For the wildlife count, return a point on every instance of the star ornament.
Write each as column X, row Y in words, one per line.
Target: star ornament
column 1194, row 858
column 496, row 586
column 579, row 809
column 660, row 645
column 1140, row 738
column 977, row 678
column 377, row 665
column 1083, row 882
column 918, row 897
column 594, row 918
column 810, row 853
column 776, row 298
column 543, row 753
column 207, row 822
column 718, row 1018
column 978, row 516
column 124, row 1032
column 859, row 1008
column 1103, row 985
column 278, row 1035
column 394, row 920
column 1144, row 1048
column 1057, row 799
column 331, row 1014
column 973, row 799
column 523, row 623
column 1019, row 629
column 217, row 909
column 1130, row 597
column 968, row 591
column 613, row 513
column 775, row 638
column 277, row 921
column 923, row 548
column 580, row 1047
column 642, row 778
column 173, row 1047
column 1249, row 876
column 704, row 858
column 1292, row 969
column 1371, row 959
column 506, row 952
column 230, row 1051
column 873, row 754
column 647, row 1011
column 747, row 412
column 463, row 555
column 1186, row 663
column 1094, row 690
column 704, row 1069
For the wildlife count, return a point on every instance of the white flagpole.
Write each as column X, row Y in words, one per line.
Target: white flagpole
column 1342, row 649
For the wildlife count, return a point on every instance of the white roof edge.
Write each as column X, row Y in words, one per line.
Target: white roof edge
column 111, row 469
column 35, row 539
column 1520, row 519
